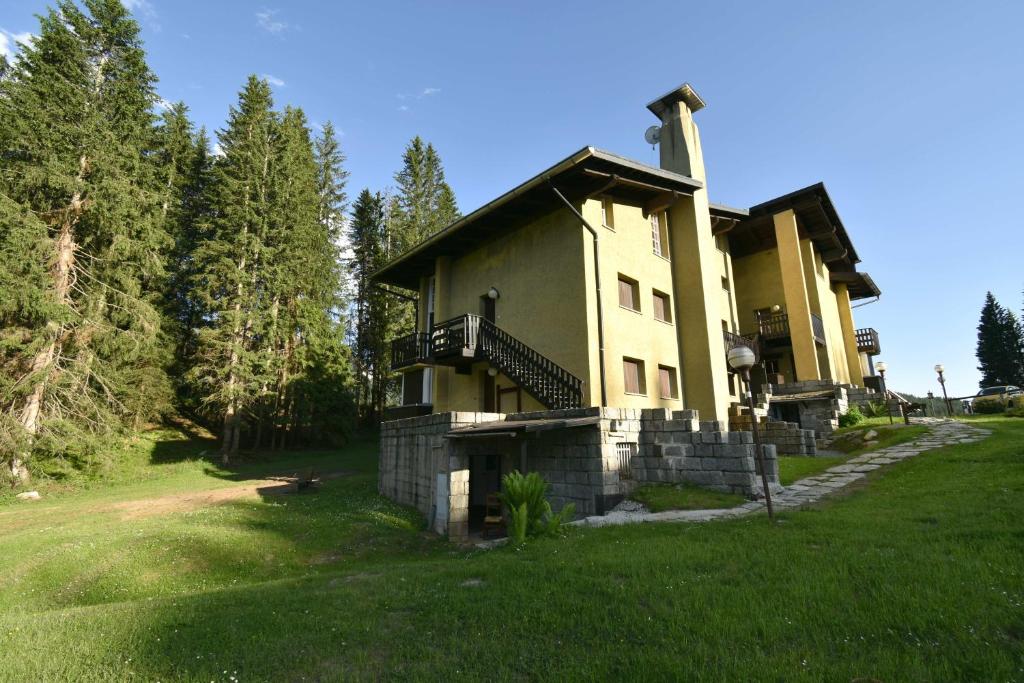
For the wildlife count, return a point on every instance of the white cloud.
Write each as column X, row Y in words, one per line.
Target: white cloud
column 403, row 107
column 273, row 80
column 267, row 21
column 10, row 42
column 162, row 104
column 218, row 151
column 145, row 10
column 427, row 92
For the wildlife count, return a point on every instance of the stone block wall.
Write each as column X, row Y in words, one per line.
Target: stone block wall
column 414, row 451
column 677, row 447
column 787, row 437
column 592, row 466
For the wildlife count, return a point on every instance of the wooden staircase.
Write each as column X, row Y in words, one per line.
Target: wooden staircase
column 470, row 338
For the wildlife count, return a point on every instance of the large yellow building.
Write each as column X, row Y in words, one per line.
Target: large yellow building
column 602, row 281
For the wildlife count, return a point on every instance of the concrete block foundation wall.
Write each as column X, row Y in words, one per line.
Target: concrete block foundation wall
column 787, row 437
column 676, row 447
column 591, row 466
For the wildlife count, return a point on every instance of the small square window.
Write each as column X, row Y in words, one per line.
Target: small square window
column 633, row 372
column 667, row 382
column 629, row 293
column 662, row 307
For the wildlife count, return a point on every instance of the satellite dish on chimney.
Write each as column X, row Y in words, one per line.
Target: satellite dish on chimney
column 653, row 135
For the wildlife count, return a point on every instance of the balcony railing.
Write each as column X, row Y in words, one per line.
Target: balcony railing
column 867, row 341
column 467, row 339
column 774, row 326
column 777, row 327
column 732, row 340
column 409, row 350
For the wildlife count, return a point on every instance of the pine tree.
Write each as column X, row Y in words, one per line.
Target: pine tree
column 80, row 327
column 367, row 239
column 229, row 370
column 425, row 201
column 1000, row 345
column 183, row 167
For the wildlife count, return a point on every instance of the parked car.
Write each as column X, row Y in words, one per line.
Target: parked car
column 1008, row 396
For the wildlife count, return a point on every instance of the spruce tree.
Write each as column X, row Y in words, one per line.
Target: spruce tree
column 367, row 239
column 80, row 325
column 230, row 370
column 426, row 203
column 183, row 167
column 1000, row 347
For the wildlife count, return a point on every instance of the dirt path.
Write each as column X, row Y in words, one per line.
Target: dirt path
column 192, row 500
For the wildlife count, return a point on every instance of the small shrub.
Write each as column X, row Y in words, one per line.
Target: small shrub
column 988, row 407
column 851, row 418
column 1018, row 411
column 529, row 513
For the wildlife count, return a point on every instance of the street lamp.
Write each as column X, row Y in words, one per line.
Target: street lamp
column 741, row 359
column 882, row 367
column 942, row 380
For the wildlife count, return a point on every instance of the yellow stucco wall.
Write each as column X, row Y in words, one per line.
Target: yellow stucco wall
column 537, row 271
column 628, row 249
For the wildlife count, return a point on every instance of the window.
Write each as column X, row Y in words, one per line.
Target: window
column 624, row 452
column 662, row 307
column 607, row 214
column 633, row 371
column 659, row 237
column 629, row 293
column 667, row 382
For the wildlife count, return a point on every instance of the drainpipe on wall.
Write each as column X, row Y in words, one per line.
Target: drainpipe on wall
column 597, row 290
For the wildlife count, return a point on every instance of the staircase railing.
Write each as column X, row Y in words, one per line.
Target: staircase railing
column 542, row 378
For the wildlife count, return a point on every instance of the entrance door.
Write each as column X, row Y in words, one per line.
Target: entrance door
column 484, row 479
column 487, row 308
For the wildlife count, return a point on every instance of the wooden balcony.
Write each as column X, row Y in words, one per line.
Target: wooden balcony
column 776, row 327
column 867, row 341
column 410, row 350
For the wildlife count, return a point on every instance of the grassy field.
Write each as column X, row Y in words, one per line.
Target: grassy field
column 918, row 574
column 661, row 497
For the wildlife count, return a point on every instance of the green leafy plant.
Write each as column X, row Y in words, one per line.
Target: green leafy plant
column 874, row 409
column 530, row 514
column 851, row 418
column 1017, row 411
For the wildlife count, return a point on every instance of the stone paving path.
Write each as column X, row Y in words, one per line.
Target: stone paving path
column 813, row 489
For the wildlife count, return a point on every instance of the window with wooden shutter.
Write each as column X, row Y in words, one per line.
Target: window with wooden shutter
column 667, row 382
column 633, row 372
column 662, row 307
column 629, row 293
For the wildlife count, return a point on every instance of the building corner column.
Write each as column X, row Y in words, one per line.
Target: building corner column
column 849, row 335
column 798, row 309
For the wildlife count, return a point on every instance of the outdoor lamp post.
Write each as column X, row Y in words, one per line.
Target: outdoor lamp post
column 942, row 380
column 741, row 359
column 882, row 367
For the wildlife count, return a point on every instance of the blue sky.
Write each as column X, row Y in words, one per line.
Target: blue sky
column 910, row 112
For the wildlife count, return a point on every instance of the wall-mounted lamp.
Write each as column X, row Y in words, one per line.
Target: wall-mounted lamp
column 776, row 308
column 492, row 372
column 492, row 293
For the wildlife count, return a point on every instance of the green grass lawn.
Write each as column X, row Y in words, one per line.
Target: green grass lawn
column 795, row 467
column 661, row 497
column 916, row 575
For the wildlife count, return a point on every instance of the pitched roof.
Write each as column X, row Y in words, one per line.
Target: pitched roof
column 583, row 174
